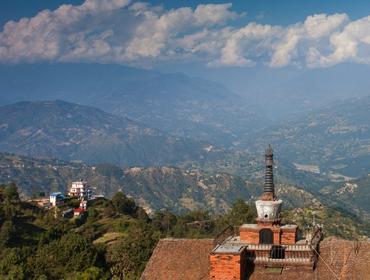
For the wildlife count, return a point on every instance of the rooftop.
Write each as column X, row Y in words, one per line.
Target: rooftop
column 185, row 259
column 249, row 226
column 56, row 194
column 228, row 248
column 188, row 259
column 289, row 226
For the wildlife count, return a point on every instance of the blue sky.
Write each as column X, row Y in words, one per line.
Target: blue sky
column 271, row 33
column 273, row 11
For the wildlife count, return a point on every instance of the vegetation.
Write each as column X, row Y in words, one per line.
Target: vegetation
column 113, row 241
column 116, row 237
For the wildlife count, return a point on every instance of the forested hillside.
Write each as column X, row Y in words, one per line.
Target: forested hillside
column 114, row 238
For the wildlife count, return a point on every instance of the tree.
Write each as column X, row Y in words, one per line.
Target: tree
column 240, row 213
column 92, row 273
column 72, row 253
column 127, row 258
column 164, row 221
column 11, row 192
column 49, row 235
column 12, row 263
column 196, row 215
column 6, row 232
column 8, row 197
column 142, row 215
column 123, row 204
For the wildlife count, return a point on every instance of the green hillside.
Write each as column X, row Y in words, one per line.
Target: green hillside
column 157, row 188
column 115, row 238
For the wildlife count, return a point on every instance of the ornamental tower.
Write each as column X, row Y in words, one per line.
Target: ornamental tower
column 266, row 244
column 269, row 174
column 268, row 229
column 268, row 206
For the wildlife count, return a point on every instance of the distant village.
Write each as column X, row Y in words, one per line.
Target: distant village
column 78, row 190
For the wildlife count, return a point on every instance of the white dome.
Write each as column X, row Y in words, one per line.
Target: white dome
column 268, row 210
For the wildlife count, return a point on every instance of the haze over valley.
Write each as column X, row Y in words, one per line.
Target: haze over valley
column 165, row 109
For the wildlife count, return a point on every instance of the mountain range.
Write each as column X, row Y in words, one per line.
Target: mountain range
column 177, row 190
column 58, row 129
column 177, row 142
column 316, row 152
column 172, row 102
column 333, row 141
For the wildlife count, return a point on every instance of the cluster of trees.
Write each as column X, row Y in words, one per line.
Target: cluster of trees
column 8, row 199
column 34, row 244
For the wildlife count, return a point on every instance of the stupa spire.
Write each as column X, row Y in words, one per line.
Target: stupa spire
column 269, row 173
column 269, row 188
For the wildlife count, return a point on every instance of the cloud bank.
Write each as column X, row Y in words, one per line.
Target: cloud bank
column 135, row 33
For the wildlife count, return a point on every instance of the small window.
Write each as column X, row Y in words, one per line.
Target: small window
column 277, row 252
column 266, row 236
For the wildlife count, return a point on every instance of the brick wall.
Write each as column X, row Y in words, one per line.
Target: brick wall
column 249, row 236
column 225, row 267
column 288, row 237
column 277, row 235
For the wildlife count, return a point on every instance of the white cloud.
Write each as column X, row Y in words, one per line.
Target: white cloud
column 107, row 31
column 247, row 45
column 350, row 44
column 118, row 31
column 51, row 34
column 157, row 34
column 301, row 39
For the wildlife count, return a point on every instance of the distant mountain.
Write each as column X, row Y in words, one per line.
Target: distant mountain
column 352, row 195
column 186, row 107
column 175, row 103
column 283, row 93
column 180, row 190
column 68, row 131
column 154, row 188
column 334, row 141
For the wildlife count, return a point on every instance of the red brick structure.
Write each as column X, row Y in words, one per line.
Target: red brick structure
column 179, row 259
column 250, row 251
column 250, row 233
column 227, row 265
column 264, row 244
column 185, row 259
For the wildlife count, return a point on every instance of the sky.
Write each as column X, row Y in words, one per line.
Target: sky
column 276, row 34
column 271, row 11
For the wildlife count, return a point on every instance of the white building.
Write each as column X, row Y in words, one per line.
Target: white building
column 83, row 204
column 56, row 199
column 80, row 189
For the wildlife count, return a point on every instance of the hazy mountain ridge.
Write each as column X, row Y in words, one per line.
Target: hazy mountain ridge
column 156, row 188
column 174, row 102
column 67, row 131
column 353, row 195
column 334, row 141
column 185, row 106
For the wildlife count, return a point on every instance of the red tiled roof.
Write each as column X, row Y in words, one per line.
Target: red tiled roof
column 349, row 260
column 186, row 259
column 179, row 259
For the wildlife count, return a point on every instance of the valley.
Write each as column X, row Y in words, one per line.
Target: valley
column 67, row 131
column 181, row 190
column 171, row 141
column 184, row 140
